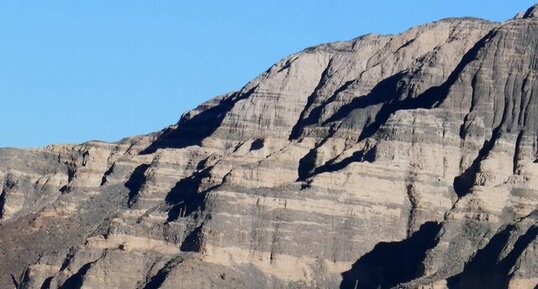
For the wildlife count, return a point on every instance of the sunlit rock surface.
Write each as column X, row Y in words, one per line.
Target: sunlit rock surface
column 386, row 161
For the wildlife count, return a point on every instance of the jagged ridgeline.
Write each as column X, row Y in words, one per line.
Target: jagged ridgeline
column 387, row 161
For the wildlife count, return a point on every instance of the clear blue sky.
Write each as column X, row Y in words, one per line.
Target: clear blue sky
column 72, row 71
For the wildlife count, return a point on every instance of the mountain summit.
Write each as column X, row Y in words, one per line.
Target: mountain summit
column 394, row 161
column 532, row 12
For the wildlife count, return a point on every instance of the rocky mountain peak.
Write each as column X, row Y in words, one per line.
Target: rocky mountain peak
column 387, row 161
column 532, row 12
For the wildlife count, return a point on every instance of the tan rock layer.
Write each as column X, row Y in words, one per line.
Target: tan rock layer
column 388, row 161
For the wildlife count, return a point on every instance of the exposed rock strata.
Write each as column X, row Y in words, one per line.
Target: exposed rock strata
column 397, row 160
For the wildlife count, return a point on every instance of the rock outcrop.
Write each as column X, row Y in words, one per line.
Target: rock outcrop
column 387, row 161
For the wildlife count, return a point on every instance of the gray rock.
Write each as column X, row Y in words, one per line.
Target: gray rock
column 387, row 161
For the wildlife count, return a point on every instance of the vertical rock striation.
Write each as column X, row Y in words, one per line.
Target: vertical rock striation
column 387, row 161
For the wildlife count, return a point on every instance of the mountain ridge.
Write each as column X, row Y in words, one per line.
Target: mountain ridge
column 386, row 161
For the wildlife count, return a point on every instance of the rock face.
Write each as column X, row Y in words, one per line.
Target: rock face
column 406, row 161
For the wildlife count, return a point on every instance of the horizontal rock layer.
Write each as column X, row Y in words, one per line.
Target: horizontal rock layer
column 387, row 161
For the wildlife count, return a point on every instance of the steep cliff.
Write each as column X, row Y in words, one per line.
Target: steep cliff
column 387, row 161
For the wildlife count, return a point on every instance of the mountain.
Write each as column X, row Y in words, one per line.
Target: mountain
column 387, row 161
